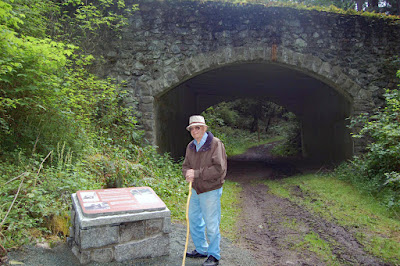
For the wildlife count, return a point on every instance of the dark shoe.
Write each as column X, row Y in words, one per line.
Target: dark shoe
column 195, row 254
column 211, row 261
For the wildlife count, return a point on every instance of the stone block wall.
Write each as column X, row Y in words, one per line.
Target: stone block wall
column 119, row 237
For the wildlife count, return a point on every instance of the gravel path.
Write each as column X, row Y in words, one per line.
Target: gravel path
column 61, row 255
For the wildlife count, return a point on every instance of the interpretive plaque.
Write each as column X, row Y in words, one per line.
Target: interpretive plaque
column 118, row 224
column 117, row 200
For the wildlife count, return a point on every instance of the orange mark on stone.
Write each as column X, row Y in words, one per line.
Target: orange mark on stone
column 273, row 52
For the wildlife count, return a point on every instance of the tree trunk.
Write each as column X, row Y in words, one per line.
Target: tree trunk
column 267, row 127
column 360, row 3
column 398, row 7
column 254, row 125
column 373, row 5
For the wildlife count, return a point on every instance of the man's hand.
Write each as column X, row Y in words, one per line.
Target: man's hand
column 190, row 175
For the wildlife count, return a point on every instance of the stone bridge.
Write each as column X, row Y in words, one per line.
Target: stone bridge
column 181, row 57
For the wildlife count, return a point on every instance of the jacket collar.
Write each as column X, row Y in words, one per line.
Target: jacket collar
column 206, row 146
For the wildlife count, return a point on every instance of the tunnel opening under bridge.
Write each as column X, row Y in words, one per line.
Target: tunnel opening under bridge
column 321, row 109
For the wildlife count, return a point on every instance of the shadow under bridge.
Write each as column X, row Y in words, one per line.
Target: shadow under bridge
column 321, row 108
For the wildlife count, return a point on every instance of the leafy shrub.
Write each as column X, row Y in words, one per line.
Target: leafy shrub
column 379, row 168
column 48, row 96
column 89, row 24
column 31, row 200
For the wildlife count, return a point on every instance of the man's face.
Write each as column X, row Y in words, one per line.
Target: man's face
column 197, row 132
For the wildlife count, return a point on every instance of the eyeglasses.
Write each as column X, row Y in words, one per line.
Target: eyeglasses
column 192, row 128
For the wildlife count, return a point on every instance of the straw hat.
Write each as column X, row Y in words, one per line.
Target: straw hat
column 196, row 120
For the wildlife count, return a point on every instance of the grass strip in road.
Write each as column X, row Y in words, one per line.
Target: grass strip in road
column 239, row 142
column 240, row 147
column 230, row 209
column 374, row 227
column 313, row 242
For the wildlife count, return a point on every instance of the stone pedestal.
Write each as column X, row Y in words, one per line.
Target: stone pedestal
column 118, row 225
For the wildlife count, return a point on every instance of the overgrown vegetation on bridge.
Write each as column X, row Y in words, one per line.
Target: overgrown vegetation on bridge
column 63, row 129
column 379, row 8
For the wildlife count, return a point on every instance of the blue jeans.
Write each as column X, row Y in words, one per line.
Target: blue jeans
column 205, row 212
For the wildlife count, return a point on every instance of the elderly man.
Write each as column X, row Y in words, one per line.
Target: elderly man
column 205, row 165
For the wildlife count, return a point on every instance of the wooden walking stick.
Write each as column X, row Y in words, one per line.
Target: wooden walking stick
column 187, row 223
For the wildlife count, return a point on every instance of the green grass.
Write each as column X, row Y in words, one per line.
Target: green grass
column 177, row 205
column 314, row 243
column 340, row 202
column 230, row 209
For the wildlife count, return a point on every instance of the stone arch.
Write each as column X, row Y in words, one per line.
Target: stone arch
column 310, row 65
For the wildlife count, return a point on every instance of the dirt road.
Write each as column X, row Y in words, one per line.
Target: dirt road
column 274, row 229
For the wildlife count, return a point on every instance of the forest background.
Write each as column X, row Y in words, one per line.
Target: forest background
column 64, row 129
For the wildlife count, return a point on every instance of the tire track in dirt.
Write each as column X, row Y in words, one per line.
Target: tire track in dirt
column 273, row 228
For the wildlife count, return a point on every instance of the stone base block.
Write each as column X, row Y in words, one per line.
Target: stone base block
column 151, row 247
column 119, row 237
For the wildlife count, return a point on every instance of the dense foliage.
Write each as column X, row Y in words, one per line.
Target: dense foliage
column 378, row 170
column 47, row 94
column 62, row 128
